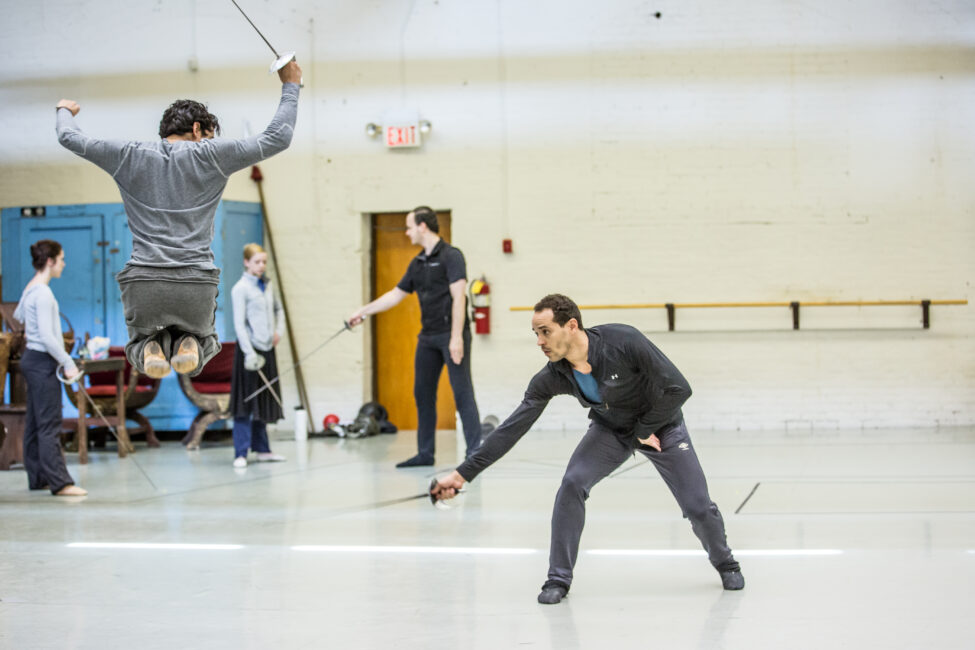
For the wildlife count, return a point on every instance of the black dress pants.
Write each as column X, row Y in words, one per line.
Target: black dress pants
column 43, row 458
column 431, row 355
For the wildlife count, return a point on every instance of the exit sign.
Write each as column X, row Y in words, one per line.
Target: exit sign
column 401, row 128
column 402, row 135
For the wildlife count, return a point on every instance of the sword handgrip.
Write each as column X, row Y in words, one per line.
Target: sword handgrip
column 433, row 485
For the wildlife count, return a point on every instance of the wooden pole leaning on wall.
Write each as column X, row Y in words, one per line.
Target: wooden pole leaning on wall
column 258, row 177
column 793, row 305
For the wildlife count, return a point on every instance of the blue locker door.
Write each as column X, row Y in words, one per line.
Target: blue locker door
column 80, row 291
column 117, row 253
column 238, row 223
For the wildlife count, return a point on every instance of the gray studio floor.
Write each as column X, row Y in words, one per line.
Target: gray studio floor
column 851, row 540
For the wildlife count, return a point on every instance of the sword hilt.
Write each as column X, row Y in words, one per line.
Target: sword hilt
column 433, row 484
column 59, row 373
column 433, row 497
column 349, row 325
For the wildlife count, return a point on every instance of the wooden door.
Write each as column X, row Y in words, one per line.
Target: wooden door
column 395, row 331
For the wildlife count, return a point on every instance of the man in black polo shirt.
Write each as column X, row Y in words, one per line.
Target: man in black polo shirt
column 438, row 274
column 635, row 395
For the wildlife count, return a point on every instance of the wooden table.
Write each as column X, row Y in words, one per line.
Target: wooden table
column 116, row 364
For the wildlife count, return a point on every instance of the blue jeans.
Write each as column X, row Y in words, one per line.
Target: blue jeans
column 250, row 434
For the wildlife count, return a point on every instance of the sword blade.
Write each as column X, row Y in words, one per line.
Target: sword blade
column 345, row 326
column 267, row 384
column 386, row 504
column 256, row 29
column 81, row 389
column 392, row 502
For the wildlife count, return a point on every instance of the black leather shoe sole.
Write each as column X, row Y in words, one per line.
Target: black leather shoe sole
column 552, row 595
column 416, row 461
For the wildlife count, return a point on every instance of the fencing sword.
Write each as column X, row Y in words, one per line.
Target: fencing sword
column 392, row 502
column 439, row 504
column 59, row 373
column 267, row 384
column 280, row 60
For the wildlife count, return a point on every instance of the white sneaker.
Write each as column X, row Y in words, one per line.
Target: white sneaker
column 240, row 461
column 268, row 457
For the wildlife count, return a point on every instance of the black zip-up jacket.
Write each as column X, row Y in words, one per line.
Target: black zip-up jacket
column 642, row 393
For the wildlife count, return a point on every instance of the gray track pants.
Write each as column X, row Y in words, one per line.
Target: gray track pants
column 598, row 454
column 165, row 311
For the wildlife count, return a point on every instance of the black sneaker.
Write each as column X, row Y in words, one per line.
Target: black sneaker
column 732, row 580
column 416, row 461
column 552, row 593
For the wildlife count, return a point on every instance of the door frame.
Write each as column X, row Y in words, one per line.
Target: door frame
column 445, row 421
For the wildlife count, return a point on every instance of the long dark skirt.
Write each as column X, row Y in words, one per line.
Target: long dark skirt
column 243, row 382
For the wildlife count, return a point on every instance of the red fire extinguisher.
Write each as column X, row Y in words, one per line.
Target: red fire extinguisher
column 481, row 299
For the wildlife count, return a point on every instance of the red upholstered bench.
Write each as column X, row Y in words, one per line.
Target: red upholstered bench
column 210, row 392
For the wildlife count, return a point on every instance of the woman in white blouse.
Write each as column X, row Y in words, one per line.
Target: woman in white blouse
column 38, row 311
column 258, row 321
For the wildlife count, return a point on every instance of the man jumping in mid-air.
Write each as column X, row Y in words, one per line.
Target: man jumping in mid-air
column 171, row 188
column 634, row 394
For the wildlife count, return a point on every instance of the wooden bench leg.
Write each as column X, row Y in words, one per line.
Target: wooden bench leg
column 199, row 427
column 81, row 432
column 145, row 425
column 11, row 441
column 188, row 438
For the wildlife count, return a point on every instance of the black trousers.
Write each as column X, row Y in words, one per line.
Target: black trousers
column 598, row 454
column 43, row 458
column 432, row 354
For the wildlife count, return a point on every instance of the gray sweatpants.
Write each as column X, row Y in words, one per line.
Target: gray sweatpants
column 598, row 454
column 165, row 310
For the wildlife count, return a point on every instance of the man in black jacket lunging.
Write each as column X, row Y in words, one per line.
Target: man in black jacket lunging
column 634, row 394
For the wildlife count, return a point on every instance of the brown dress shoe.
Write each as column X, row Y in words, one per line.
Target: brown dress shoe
column 187, row 356
column 154, row 361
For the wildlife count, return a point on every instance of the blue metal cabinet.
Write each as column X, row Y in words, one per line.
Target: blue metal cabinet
column 97, row 243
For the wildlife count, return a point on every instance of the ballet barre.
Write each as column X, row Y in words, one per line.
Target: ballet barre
column 794, row 305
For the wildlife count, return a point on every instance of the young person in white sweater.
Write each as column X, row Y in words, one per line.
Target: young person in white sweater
column 258, row 323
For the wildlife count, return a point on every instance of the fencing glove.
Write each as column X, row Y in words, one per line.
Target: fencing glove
column 253, row 361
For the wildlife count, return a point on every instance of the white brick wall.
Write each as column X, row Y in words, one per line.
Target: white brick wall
column 771, row 150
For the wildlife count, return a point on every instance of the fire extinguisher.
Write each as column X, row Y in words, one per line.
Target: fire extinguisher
column 481, row 299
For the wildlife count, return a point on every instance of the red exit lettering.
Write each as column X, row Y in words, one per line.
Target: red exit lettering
column 400, row 136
